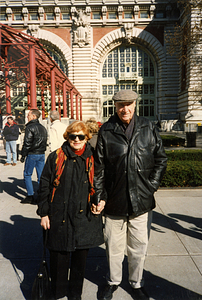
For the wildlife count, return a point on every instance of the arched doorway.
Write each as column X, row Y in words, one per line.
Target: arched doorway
column 129, row 67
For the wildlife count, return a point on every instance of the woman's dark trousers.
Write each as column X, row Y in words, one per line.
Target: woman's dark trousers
column 60, row 262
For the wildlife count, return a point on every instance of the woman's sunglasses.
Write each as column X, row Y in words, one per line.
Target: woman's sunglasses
column 74, row 136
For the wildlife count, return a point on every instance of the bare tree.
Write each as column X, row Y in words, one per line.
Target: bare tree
column 185, row 41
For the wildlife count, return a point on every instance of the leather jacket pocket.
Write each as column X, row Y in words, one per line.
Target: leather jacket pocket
column 144, row 186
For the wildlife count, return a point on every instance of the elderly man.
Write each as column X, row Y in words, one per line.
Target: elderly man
column 57, row 130
column 129, row 164
column 33, row 149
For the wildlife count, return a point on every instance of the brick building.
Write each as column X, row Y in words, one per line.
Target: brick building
column 107, row 45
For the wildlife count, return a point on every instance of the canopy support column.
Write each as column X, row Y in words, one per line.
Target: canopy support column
column 32, row 76
column 59, row 103
column 72, row 104
column 42, row 103
column 28, row 95
column 53, row 106
column 80, row 109
column 77, row 106
column 7, row 83
column 8, row 96
column 64, row 100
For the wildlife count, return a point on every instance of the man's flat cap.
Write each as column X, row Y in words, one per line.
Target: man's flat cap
column 125, row 96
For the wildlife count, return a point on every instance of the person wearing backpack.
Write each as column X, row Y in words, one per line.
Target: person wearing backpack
column 64, row 204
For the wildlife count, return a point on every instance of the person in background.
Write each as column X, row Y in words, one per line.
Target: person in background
column 129, row 165
column 20, row 120
column 11, row 133
column 18, row 142
column 64, row 204
column 93, row 128
column 57, row 130
column 33, row 149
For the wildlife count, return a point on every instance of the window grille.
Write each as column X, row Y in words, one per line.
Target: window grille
column 129, row 68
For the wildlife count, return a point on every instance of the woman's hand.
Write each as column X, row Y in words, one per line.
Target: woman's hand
column 97, row 209
column 45, row 222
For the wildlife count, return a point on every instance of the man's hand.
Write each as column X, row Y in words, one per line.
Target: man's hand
column 22, row 159
column 45, row 222
column 97, row 209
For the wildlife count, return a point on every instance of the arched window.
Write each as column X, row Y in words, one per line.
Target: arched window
column 57, row 55
column 129, row 67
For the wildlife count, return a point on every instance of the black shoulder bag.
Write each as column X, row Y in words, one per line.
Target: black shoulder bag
column 41, row 289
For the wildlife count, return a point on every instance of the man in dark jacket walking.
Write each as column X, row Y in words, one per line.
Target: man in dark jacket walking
column 129, row 164
column 33, row 149
column 11, row 133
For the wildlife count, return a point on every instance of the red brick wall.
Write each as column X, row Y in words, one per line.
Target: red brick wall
column 63, row 33
column 98, row 33
column 157, row 31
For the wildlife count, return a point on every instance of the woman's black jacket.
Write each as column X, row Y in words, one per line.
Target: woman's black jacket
column 127, row 173
column 72, row 225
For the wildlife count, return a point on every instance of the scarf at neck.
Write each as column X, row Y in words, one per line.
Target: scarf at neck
column 80, row 151
column 60, row 164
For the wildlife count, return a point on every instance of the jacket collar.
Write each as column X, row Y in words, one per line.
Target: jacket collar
column 113, row 123
column 7, row 124
column 67, row 150
column 32, row 122
column 54, row 122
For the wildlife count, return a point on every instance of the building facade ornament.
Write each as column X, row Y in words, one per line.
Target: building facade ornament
column 152, row 11
column 25, row 15
column 57, row 15
column 9, row 13
column 41, row 15
column 104, row 14
column 120, row 13
column 128, row 30
column 33, row 30
column 136, row 12
column 80, row 27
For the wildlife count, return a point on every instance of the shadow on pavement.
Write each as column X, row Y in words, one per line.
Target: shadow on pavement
column 21, row 243
column 3, row 159
column 158, row 288
column 171, row 221
column 16, row 188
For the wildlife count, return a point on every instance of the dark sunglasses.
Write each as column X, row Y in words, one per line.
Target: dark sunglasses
column 74, row 136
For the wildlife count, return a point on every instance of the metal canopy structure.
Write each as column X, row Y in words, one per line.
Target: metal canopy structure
column 24, row 60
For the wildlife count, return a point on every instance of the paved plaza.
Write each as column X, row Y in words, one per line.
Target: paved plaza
column 173, row 268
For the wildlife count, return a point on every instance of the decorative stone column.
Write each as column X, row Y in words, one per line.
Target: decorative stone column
column 9, row 15
column 152, row 10
column 57, row 15
column 104, row 14
column 41, row 15
column 25, row 15
column 120, row 12
column 136, row 12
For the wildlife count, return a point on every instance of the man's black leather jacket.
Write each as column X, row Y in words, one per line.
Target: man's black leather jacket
column 35, row 140
column 127, row 173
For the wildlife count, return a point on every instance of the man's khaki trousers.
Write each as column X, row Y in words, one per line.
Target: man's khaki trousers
column 130, row 234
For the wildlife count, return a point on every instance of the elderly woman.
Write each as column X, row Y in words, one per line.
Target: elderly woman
column 64, row 204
